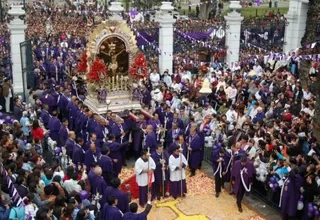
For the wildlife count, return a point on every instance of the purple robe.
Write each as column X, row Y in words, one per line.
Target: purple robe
column 291, row 195
column 98, row 185
column 115, row 154
column 248, row 175
column 176, row 144
column 150, row 142
column 123, row 198
column 158, row 175
column 105, row 162
column 54, row 125
column 195, row 154
column 172, row 136
column 116, row 131
column 69, row 147
column 111, row 213
column 63, row 136
column 47, row 99
column 78, row 155
column 45, row 116
column 137, row 134
column 91, row 157
column 137, row 216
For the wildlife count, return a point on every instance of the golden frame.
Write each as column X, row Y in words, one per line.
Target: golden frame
column 109, row 29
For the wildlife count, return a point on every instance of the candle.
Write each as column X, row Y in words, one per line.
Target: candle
column 117, row 82
column 113, row 83
column 121, row 83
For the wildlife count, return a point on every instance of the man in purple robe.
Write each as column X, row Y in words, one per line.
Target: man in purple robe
column 70, row 142
column 116, row 154
column 45, row 116
column 54, row 125
column 242, row 175
column 47, row 99
column 138, row 134
column 173, row 134
column 178, row 143
column 63, row 133
column 120, row 131
column 98, row 185
column 102, row 131
column 133, row 215
column 91, row 156
column 194, row 151
column 78, row 152
column 218, row 165
column 92, row 140
column 150, row 140
column 122, row 197
column 105, row 162
column 161, row 174
column 110, row 210
column 290, row 195
column 176, row 119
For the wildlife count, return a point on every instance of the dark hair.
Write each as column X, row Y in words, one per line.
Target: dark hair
column 111, row 200
column 115, row 182
column 133, row 207
column 35, row 124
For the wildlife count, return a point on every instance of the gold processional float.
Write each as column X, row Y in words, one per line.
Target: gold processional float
column 112, row 67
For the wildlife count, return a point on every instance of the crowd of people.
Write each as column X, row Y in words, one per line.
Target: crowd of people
column 60, row 160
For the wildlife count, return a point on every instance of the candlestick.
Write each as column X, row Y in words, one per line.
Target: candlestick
column 121, row 83
column 113, row 83
column 117, row 82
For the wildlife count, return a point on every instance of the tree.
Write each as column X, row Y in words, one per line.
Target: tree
column 305, row 65
column 205, row 8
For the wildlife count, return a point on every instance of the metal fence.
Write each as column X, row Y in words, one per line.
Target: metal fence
column 263, row 33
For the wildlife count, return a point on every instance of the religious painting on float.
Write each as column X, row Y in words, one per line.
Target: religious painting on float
column 113, row 53
column 115, row 44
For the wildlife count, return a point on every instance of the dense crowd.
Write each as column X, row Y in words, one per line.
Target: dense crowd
column 62, row 161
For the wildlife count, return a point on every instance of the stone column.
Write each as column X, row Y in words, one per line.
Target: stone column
column 166, row 21
column 17, row 28
column 296, row 18
column 233, row 32
column 116, row 9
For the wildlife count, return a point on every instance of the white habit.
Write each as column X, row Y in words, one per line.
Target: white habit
column 140, row 165
column 175, row 174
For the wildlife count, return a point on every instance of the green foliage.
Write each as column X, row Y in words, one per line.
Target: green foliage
column 259, row 11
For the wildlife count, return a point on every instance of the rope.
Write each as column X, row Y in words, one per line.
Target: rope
column 281, row 193
column 219, row 168
column 242, row 180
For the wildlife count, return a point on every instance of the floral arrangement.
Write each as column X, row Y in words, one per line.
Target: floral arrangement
column 98, row 71
column 138, row 69
column 83, row 64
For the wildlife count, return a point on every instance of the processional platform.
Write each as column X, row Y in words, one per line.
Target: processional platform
column 111, row 52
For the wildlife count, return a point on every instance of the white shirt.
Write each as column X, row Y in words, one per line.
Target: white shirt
column 253, row 113
column 154, row 78
column 306, row 95
column 186, row 75
column 309, row 111
column 72, row 185
column 231, row 93
column 232, row 116
column 240, row 122
column 167, row 80
column 175, row 175
column 176, row 87
column 139, row 166
column 257, row 70
column 221, row 83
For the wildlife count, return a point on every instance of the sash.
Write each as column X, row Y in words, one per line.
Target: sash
column 219, row 169
column 248, row 189
column 281, row 193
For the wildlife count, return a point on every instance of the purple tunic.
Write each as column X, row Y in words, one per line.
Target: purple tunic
column 54, row 125
column 151, row 141
column 158, row 175
column 248, row 174
column 291, row 195
column 111, row 213
column 123, row 199
column 195, row 154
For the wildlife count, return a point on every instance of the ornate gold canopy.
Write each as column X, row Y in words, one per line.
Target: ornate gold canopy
column 108, row 30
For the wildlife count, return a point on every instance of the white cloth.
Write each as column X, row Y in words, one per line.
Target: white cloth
column 232, row 116
column 175, row 175
column 139, row 166
column 72, row 185
column 154, row 78
column 31, row 210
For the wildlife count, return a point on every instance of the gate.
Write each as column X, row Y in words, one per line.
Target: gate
column 263, row 33
column 28, row 78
